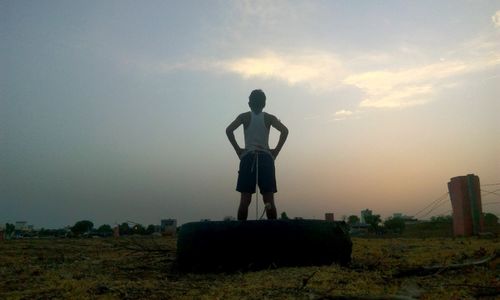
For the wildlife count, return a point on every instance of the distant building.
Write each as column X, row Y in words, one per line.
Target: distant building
column 359, row 229
column 21, row 225
column 169, row 226
column 329, row 217
column 364, row 214
column 406, row 219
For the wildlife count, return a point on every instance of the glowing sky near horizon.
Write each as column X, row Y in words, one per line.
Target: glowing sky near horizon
column 116, row 110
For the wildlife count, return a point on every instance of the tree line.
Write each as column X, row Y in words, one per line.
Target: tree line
column 87, row 227
column 374, row 221
column 398, row 224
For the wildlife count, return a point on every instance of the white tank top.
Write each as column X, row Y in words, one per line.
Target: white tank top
column 256, row 134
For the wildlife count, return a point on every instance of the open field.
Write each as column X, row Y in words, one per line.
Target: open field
column 144, row 268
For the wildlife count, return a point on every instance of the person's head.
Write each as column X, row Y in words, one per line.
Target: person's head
column 257, row 101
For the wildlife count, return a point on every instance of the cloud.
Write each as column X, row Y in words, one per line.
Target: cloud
column 405, row 87
column 317, row 70
column 387, row 80
column 496, row 19
column 345, row 114
column 323, row 71
column 402, row 88
column 382, row 88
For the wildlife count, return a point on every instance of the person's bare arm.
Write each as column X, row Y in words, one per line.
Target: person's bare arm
column 283, row 135
column 230, row 134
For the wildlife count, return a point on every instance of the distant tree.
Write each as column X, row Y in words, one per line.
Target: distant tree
column 395, row 224
column 441, row 219
column 46, row 232
column 228, row 218
column 284, row 216
column 490, row 219
column 124, row 228
column 138, row 229
column 373, row 221
column 352, row 219
column 9, row 228
column 81, row 227
column 54, row 233
column 150, row 229
column 105, row 229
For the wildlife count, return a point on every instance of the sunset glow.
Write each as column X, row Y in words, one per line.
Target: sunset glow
column 117, row 110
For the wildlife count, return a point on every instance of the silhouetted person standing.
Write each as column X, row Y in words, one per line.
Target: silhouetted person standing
column 257, row 155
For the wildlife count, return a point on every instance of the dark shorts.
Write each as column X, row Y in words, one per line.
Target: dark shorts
column 248, row 173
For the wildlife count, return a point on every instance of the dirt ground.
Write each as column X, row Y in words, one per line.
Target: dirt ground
column 144, row 268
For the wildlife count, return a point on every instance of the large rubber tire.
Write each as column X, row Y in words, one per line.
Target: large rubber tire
column 252, row 245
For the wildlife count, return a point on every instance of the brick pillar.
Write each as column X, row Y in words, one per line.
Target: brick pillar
column 465, row 195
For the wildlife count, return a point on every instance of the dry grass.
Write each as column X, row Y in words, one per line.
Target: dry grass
column 143, row 268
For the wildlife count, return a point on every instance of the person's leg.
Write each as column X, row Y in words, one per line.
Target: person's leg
column 245, row 185
column 245, row 200
column 267, row 184
column 271, row 212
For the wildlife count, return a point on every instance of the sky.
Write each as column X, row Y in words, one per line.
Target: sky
column 116, row 110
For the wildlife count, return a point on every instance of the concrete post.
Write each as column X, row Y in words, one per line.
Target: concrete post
column 465, row 195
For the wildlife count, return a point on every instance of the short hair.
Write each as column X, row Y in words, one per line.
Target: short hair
column 257, row 100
